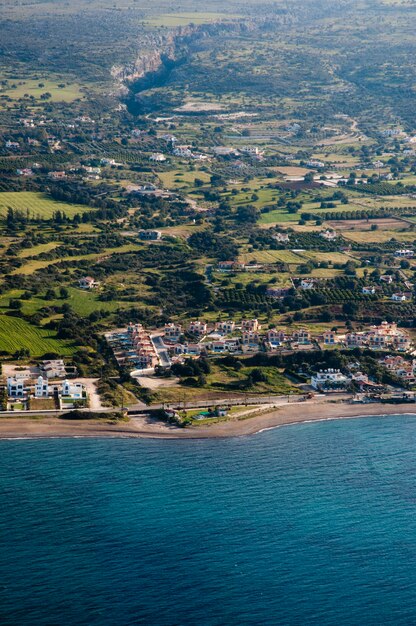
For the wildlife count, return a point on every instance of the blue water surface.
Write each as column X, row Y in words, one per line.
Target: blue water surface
column 311, row 524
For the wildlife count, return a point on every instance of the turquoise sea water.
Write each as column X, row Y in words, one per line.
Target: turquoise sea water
column 312, row 524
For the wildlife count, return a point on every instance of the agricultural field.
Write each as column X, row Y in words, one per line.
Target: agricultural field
column 379, row 236
column 36, row 204
column 17, row 334
column 271, row 256
column 21, row 88
column 81, row 301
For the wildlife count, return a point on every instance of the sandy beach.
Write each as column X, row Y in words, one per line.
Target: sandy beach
column 23, row 427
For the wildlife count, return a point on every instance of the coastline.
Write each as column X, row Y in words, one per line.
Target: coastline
column 142, row 427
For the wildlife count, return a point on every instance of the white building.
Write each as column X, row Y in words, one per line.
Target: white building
column 330, row 378
column 15, row 387
column 281, row 237
column 72, row 390
column 329, row 235
column 173, row 332
column 53, row 369
column 41, row 388
column 158, row 157
column 87, row 282
column 404, row 254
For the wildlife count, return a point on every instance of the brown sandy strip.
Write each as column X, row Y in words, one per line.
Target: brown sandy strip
column 147, row 428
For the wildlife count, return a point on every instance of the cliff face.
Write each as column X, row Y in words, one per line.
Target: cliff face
column 158, row 52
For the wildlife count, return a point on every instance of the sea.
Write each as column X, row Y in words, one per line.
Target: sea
column 311, row 524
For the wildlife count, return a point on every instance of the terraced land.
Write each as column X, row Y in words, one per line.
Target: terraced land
column 17, row 334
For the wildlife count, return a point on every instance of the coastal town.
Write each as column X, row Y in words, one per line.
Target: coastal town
column 168, row 247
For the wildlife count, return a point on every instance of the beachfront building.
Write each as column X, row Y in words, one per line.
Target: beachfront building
column 16, row 387
column 329, row 379
column 73, row 390
column 41, row 388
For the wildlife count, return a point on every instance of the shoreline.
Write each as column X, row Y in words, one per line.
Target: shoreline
column 146, row 428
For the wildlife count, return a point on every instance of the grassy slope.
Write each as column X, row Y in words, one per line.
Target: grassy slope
column 16, row 334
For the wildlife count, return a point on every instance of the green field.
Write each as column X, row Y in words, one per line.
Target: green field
column 82, row 302
column 30, row 87
column 271, row 256
column 16, row 334
column 38, row 204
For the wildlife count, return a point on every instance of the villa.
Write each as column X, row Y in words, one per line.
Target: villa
column 329, row 379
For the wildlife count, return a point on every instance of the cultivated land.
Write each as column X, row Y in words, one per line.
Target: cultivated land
column 36, row 204
column 213, row 165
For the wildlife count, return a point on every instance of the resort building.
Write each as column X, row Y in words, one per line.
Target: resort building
column 329, row 379
column 42, row 388
column 15, row 387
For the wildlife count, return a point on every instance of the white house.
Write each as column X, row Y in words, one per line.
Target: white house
column 281, row 237
column 404, row 254
column 368, row 290
column 53, row 369
column 307, row 283
column 330, row 378
column 399, row 297
column 158, row 157
column 329, row 235
column 41, row 387
column 15, row 387
column 72, row 390
column 87, row 282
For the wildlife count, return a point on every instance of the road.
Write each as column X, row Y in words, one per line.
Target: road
column 161, row 350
